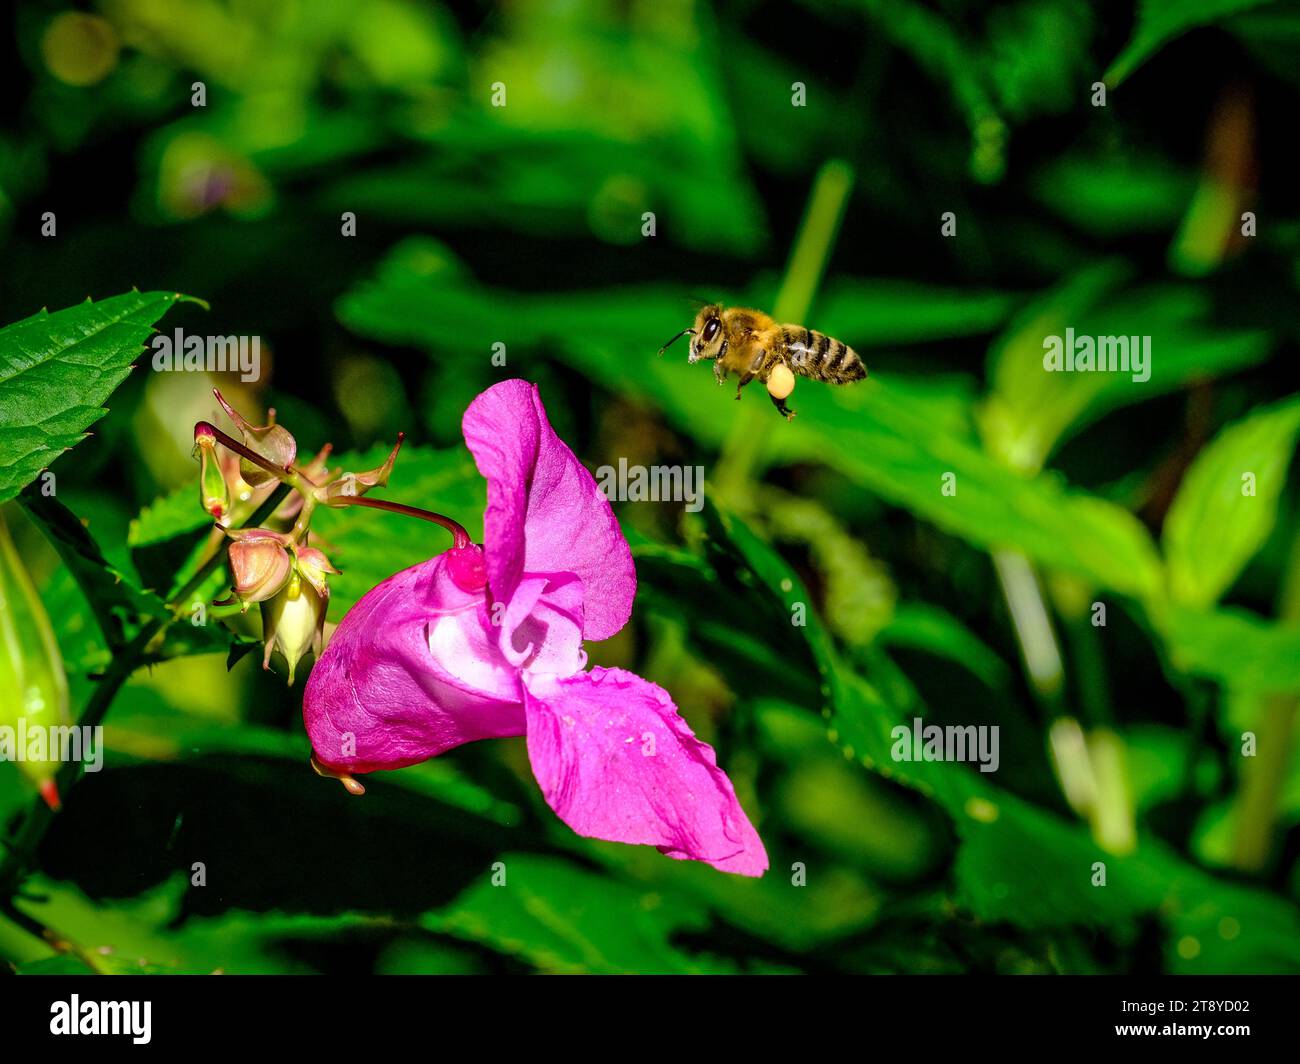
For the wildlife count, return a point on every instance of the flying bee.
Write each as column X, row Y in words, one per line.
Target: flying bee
column 754, row 346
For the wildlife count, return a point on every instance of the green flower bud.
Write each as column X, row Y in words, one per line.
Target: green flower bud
column 293, row 622
column 213, row 492
column 30, row 666
column 313, row 565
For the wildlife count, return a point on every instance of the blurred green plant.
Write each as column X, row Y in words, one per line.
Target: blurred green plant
column 528, row 227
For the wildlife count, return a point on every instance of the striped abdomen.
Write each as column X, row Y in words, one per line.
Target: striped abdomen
column 821, row 357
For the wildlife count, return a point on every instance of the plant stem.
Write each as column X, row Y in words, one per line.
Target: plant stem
column 459, row 535
column 289, row 475
column 1264, row 775
column 1090, row 766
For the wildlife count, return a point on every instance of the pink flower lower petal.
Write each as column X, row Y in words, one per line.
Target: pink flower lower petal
column 616, row 761
column 411, row 671
column 545, row 513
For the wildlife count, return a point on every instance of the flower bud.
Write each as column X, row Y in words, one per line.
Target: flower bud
column 293, row 622
column 350, row 485
column 273, row 442
column 213, row 491
column 259, row 563
column 313, row 567
column 33, row 684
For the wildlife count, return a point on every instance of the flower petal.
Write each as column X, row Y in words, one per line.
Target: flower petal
column 411, row 671
column 545, row 513
column 616, row 761
column 541, row 627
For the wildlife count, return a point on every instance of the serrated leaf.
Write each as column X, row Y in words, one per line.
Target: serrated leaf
column 1213, row 528
column 57, row 369
column 168, row 516
column 117, row 604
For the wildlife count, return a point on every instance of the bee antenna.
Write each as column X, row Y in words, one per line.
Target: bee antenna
column 674, row 340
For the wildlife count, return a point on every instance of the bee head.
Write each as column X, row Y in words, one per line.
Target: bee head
column 708, row 334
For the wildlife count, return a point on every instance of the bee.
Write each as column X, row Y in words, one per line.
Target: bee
column 754, row 346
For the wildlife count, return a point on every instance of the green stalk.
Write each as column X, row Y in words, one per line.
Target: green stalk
column 1090, row 766
column 1264, row 775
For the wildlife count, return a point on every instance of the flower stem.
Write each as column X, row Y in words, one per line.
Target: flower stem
column 459, row 535
column 290, row 475
column 1263, row 777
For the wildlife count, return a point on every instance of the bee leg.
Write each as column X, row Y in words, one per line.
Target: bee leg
column 720, row 373
column 754, row 366
column 781, row 407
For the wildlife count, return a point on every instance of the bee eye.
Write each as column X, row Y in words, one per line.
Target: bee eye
column 710, row 330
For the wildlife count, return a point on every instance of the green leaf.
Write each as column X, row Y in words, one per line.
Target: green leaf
column 1236, row 648
column 1030, row 412
column 1016, row 862
column 880, row 311
column 167, row 517
column 920, row 626
column 1160, row 21
column 63, row 964
column 57, row 369
column 422, row 295
column 145, row 935
column 560, row 918
column 116, row 603
column 165, row 541
column 1115, row 195
column 881, row 441
column 1213, row 527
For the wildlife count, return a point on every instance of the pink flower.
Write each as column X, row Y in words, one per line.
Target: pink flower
column 481, row 643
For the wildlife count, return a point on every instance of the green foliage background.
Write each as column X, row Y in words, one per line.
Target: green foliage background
column 522, row 225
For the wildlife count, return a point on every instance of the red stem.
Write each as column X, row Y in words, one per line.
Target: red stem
column 279, row 472
column 459, row 534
